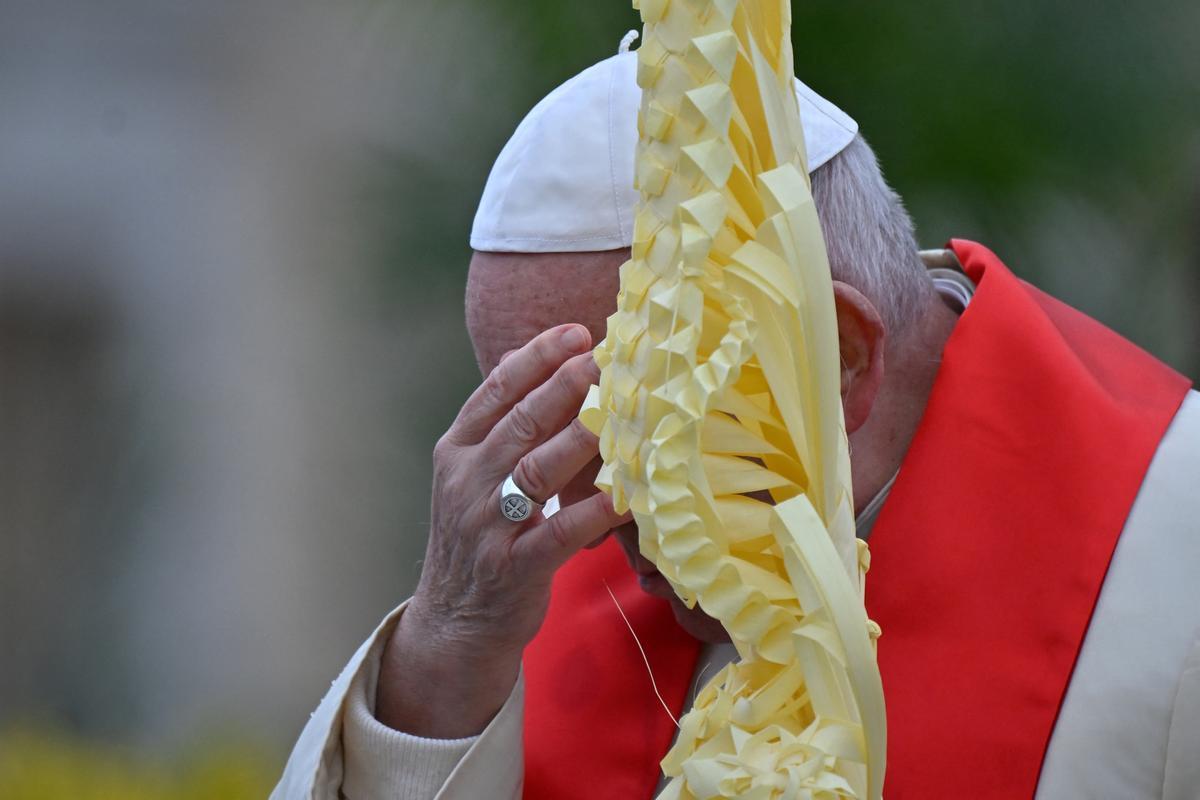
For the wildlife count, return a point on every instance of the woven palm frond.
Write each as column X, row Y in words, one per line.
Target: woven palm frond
column 719, row 390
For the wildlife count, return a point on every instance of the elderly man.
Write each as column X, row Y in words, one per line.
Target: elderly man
column 1022, row 471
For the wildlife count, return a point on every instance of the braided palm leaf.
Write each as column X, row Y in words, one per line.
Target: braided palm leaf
column 719, row 387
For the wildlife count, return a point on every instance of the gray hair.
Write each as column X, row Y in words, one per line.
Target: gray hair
column 869, row 236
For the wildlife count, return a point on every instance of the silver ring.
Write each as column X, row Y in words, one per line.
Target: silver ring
column 515, row 505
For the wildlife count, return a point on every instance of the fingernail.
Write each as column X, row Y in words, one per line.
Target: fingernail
column 574, row 339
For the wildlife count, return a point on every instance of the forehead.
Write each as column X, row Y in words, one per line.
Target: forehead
column 512, row 297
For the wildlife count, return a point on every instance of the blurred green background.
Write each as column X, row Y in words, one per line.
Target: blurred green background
column 232, row 250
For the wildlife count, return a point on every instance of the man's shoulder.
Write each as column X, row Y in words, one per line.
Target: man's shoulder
column 1177, row 460
column 1124, row 695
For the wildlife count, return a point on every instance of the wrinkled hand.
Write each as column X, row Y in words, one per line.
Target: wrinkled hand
column 485, row 584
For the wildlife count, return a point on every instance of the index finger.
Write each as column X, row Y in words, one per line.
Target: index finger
column 514, row 377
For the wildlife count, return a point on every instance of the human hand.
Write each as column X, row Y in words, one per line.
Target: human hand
column 485, row 584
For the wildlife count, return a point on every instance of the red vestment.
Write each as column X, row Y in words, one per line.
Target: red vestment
column 987, row 560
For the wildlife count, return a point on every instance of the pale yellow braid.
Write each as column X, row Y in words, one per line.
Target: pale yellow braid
column 720, row 378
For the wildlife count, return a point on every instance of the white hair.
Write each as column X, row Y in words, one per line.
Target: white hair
column 869, row 236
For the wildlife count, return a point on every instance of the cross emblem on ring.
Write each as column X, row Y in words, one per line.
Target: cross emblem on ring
column 516, row 508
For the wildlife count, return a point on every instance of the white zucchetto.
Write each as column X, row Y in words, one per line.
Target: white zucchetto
column 564, row 181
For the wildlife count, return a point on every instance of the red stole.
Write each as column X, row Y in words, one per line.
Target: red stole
column 593, row 726
column 987, row 560
column 990, row 552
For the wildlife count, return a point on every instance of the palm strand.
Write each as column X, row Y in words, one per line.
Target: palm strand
column 720, row 387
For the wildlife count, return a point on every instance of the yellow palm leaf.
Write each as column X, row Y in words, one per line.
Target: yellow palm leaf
column 720, row 379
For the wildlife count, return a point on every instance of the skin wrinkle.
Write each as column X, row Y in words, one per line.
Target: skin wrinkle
column 511, row 297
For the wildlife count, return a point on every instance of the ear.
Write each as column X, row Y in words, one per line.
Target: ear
column 861, row 335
